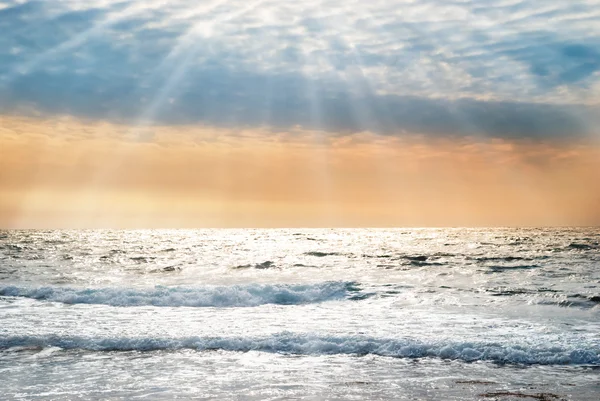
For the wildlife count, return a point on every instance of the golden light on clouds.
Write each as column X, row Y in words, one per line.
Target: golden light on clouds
column 70, row 173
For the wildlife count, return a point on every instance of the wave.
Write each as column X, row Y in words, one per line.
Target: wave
column 500, row 258
column 500, row 269
column 571, row 301
column 264, row 265
column 320, row 254
column 206, row 296
column 289, row 343
column 583, row 247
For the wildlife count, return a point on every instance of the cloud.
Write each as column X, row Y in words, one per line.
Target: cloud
column 499, row 67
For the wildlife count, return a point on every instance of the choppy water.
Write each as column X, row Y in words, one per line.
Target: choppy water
column 406, row 314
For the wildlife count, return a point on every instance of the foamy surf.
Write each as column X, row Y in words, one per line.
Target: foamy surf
column 289, row 343
column 247, row 295
column 451, row 314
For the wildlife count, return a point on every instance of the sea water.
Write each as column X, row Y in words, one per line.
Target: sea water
column 313, row 314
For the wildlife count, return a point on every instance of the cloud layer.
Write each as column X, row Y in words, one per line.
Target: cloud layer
column 494, row 67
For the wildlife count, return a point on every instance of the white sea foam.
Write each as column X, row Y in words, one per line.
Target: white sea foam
column 205, row 296
column 288, row 343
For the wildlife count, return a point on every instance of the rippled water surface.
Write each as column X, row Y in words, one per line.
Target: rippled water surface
column 409, row 314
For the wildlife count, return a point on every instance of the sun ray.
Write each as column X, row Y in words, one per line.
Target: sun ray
column 181, row 59
column 80, row 39
column 183, row 55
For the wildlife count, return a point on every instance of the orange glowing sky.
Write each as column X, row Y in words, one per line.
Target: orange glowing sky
column 85, row 175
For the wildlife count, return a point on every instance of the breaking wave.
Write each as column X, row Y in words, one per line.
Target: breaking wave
column 206, row 296
column 288, row 343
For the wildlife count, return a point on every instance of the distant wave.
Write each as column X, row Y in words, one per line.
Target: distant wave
column 320, row 254
column 288, row 343
column 583, row 247
column 500, row 269
column 206, row 296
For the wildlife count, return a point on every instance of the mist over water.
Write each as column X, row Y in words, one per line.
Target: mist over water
column 300, row 314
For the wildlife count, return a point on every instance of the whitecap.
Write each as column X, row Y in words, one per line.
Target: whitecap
column 204, row 296
column 309, row 344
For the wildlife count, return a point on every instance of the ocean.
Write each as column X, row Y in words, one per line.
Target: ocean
column 307, row 314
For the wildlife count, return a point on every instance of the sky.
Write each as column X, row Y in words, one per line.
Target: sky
column 307, row 113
